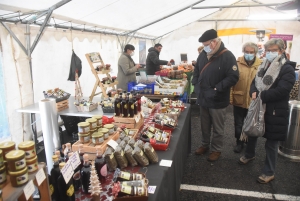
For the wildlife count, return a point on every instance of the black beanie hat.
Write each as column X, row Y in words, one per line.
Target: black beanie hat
column 208, row 35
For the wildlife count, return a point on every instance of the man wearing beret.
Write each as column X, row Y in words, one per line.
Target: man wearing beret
column 215, row 72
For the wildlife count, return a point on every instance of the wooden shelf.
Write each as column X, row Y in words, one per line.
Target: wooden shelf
column 111, row 84
column 10, row 193
column 103, row 72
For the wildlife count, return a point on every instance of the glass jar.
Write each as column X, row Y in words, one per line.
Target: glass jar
column 110, row 128
column 29, row 148
column 83, row 127
column 105, row 132
column 18, row 178
column 97, row 138
column 7, row 147
column 2, row 174
column 99, row 120
column 32, row 164
column 16, row 160
column 92, row 122
column 84, row 137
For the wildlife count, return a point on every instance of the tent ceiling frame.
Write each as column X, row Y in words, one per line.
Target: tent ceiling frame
column 236, row 6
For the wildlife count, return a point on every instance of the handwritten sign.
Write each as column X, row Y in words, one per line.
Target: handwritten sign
column 28, row 189
column 40, row 176
column 113, row 144
column 75, row 160
column 67, row 171
column 151, row 189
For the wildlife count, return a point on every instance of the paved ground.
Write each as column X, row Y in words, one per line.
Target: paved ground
column 226, row 173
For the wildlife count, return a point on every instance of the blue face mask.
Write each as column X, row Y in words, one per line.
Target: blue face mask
column 271, row 56
column 207, row 49
column 249, row 57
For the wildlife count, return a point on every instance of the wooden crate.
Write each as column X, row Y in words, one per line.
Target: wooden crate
column 62, row 105
column 129, row 122
column 90, row 148
column 87, row 108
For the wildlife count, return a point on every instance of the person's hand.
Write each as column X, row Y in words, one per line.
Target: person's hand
column 253, row 96
column 137, row 65
column 169, row 64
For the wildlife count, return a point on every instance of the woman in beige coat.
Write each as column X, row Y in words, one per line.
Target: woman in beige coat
column 239, row 96
column 126, row 68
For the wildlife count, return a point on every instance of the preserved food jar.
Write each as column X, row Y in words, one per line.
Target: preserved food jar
column 18, row 178
column 16, row 160
column 32, row 164
column 29, row 148
column 7, row 147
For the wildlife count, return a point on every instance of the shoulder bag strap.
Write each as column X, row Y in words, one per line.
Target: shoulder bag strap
column 212, row 60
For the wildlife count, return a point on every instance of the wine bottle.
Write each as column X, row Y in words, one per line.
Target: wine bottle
column 131, row 106
column 124, row 106
column 117, row 105
column 99, row 163
column 55, row 172
column 135, row 104
column 86, row 174
column 66, row 190
column 139, row 103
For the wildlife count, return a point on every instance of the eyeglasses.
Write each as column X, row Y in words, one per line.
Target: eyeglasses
column 207, row 44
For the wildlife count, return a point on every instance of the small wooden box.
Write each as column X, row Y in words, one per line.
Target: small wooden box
column 87, row 108
column 130, row 122
column 62, row 105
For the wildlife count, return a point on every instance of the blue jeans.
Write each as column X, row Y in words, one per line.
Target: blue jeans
column 271, row 147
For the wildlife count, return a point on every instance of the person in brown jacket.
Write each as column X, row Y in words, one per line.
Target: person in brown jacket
column 239, row 96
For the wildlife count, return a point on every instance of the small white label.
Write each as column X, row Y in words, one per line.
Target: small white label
column 113, row 144
column 151, row 189
column 94, row 125
column 75, row 160
column 167, row 163
column 28, row 189
column 20, row 164
column 111, row 131
column 105, row 136
column 40, row 176
column 86, row 139
column 67, row 171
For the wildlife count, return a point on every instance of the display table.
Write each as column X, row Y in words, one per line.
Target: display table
column 159, row 97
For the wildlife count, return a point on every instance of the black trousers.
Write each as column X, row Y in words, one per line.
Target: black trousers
column 239, row 114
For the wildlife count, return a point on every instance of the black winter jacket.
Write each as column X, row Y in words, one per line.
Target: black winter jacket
column 221, row 74
column 153, row 62
column 277, row 103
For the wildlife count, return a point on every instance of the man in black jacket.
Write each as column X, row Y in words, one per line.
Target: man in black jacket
column 152, row 62
column 215, row 72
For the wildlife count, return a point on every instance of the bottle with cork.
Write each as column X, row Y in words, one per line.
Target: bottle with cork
column 124, row 106
column 99, row 164
column 117, row 105
column 86, row 174
column 55, row 172
column 67, row 150
column 66, row 190
column 131, row 106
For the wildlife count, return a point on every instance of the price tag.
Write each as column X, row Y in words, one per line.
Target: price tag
column 75, row 160
column 28, row 189
column 167, row 163
column 151, row 189
column 67, row 171
column 113, row 144
column 40, row 176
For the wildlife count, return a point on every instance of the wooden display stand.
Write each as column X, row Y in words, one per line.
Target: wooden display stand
column 129, row 122
column 62, row 105
column 95, row 58
column 16, row 193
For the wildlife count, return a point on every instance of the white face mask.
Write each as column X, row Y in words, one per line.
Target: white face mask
column 132, row 54
column 207, row 49
column 271, row 56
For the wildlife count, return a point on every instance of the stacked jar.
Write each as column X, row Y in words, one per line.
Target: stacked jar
column 97, row 138
column 110, row 128
column 93, row 125
column 5, row 147
column 30, row 155
column 104, row 131
column 84, row 132
column 99, row 120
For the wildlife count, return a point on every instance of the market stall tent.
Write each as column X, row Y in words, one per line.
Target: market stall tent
column 104, row 26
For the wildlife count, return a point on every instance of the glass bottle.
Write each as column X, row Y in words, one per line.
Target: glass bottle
column 135, row 104
column 117, row 105
column 60, row 158
column 86, row 174
column 99, row 163
column 67, row 151
column 124, row 106
column 139, row 103
column 81, row 153
column 66, row 190
column 131, row 106
column 55, row 172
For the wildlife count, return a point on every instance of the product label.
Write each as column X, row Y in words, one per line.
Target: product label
column 126, row 131
column 118, row 105
column 101, row 140
column 22, row 179
column 150, row 135
column 140, row 191
column 122, row 153
column 152, row 150
column 94, row 125
column 51, row 189
column 132, row 106
column 111, row 156
column 20, row 164
column 138, row 176
column 100, row 122
column 32, row 167
column 30, row 153
column 125, row 106
column 94, row 140
column 111, row 131
column 70, row 191
column 105, row 135
column 151, row 129
column 126, row 189
column 86, row 139
column 125, row 175
column 142, row 153
column 2, row 177
column 83, row 130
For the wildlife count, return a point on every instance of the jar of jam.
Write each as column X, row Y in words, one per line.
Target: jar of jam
column 84, row 137
column 104, row 131
column 83, row 127
column 32, row 164
column 110, row 127
column 7, row 147
column 93, row 123
column 2, row 174
column 29, row 148
column 97, row 138
column 19, row 178
column 16, row 160
column 99, row 120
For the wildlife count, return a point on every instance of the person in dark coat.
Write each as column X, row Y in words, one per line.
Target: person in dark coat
column 216, row 72
column 273, row 82
column 152, row 62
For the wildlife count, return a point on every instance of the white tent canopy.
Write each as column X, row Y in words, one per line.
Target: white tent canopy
column 51, row 57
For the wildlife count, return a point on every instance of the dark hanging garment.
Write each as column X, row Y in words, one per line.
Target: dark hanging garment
column 75, row 65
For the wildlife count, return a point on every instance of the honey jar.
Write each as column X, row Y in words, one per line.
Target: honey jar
column 104, row 131
column 110, row 127
column 19, row 178
column 84, row 137
column 97, row 138
column 29, row 148
column 32, row 164
column 99, row 120
column 16, row 160
column 7, row 147
column 2, row 174
column 93, row 123
column 83, row 127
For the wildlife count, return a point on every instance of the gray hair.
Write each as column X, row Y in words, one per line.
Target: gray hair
column 252, row 45
column 275, row 41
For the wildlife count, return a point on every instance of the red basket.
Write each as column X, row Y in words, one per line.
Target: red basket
column 160, row 147
column 163, row 127
column 182, row 107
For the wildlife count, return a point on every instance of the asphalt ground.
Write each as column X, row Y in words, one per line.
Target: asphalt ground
column 227, row 174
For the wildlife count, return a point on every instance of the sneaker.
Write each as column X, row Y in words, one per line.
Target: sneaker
column 244, row 160
column 202, row 150
column 213, row 156
column 263, row 179
column 238, row 148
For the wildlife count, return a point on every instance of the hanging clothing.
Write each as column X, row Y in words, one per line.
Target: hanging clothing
column 75, row 65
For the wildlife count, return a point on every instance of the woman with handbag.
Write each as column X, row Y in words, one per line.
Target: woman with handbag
column 273, row 82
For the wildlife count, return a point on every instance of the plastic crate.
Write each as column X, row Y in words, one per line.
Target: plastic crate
column 184, row 97
column 130, row 85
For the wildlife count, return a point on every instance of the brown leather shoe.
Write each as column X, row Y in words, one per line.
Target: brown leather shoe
column 213, row 156
column 202, row 150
